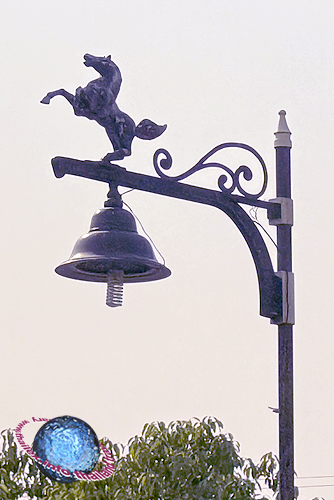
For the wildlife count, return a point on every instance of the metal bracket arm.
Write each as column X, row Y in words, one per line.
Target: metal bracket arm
column 288, row 299
column 281, row 212
column 270, row 285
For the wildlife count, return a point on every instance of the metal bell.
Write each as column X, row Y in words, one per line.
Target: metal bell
column 113, row 252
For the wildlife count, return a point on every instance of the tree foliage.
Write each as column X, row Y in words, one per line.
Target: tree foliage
column 184, row 460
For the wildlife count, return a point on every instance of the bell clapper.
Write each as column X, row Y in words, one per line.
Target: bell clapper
column 115, row 288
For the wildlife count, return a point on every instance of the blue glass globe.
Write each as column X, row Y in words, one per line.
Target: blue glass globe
column 67, row 442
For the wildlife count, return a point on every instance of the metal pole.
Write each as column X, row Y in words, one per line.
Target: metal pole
column 285, row 335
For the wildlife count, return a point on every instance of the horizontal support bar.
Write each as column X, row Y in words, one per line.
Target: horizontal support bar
column 107, row 172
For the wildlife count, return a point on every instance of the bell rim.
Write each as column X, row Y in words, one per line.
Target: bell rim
column 156, row 270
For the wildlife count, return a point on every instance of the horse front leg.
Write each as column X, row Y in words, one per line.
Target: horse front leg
column 69, row 97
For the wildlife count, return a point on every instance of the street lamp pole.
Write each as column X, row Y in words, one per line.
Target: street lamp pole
column 285, row 330
column 113, row 252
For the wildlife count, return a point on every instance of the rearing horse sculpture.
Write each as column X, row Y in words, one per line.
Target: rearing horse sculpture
column 97, row 101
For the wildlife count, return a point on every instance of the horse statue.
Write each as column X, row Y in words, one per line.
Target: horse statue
column 97, row 101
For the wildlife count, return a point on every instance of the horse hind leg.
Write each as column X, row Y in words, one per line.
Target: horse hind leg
column 118, row 154
column 121, row 139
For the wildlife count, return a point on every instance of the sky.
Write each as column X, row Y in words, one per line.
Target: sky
column 193, row 344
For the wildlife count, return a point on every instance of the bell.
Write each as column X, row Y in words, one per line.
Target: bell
column 113, row 252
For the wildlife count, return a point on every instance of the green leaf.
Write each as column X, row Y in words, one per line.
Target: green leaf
column 182, row 460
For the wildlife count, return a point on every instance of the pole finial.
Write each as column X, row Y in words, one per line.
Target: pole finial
column 283, row 133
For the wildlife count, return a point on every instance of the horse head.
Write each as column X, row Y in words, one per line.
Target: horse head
column 107, row 69
column 102, row 64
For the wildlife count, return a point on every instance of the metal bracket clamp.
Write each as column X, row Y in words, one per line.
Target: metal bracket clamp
column 288, row 299
column 281, row 212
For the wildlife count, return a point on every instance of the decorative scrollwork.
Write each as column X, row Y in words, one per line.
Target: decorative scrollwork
column 162, row 160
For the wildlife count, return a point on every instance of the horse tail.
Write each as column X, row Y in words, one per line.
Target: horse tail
column 148, row 130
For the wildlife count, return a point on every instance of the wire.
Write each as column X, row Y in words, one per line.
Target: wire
column 312, row 477
column 271, row 239
column 317, row 486
column 253, row 214
column 128, row 191
column 148, row 236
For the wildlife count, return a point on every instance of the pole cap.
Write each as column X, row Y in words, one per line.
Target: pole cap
column 283, row 133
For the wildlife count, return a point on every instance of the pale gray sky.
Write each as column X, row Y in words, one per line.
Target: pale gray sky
column 193, row 344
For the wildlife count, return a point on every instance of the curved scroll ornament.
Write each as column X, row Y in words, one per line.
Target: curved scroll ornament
column 162, row 160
